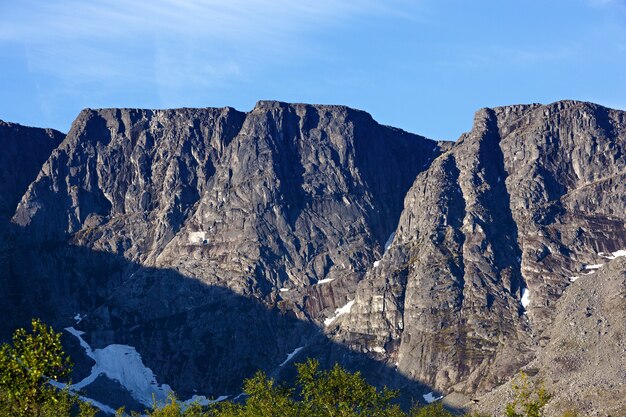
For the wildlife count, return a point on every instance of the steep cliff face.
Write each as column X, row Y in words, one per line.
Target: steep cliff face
column 23, row 150
column 219, row 242
column 287, row 205
column 490, row 237
column 127, row 172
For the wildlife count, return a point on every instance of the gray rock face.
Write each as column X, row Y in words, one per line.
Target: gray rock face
column 216, row 242
column 24, row 150
column 583, row 364
column 522, row 203
column 287, row 205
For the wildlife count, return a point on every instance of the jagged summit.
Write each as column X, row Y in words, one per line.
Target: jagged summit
column 216, row 242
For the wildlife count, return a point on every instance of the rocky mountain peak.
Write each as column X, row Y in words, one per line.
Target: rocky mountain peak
column 24, row 150
column 499, row 226
column 218, row 242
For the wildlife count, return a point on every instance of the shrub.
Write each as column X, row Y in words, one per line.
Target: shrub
column 529, row 400
column 26, row 366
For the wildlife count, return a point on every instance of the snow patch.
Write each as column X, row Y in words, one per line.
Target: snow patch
column 594, row 266
column 339, row 312
column 284, row 289
column 525, row 297
column 78, row 318
column 124, row 364
column 325, row 280
column 376, row 263
column 619, row 253
column 430, row 397
column 613, row 255
column 389, row 241
column 291, row 355
column 573, row 279
column 197, row 237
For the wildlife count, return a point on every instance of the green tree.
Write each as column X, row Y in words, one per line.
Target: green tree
column 265, row 399
column 318, row 393
column 26, row 366
column 431, row 410
column 528, row 400
column 339, row 393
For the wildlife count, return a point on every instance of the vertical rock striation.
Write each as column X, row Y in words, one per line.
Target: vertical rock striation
column 217, row 242
column 517, row 207
column 287, row 205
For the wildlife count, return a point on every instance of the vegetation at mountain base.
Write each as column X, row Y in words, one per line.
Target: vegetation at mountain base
column 35, row 358
column 528, row 400
column 26, row 366
column 337, row 393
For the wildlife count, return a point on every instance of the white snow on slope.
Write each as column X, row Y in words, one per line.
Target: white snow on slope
column 78, row 318
column 376, row 263
column 613, row 255
column 593, row 268
column 325, row 280
column 525, row 297
column 97, row 404
column 291, row 355
column 339, row 312
column 284, row 289
column 197, row 237
column 124, row 364
column 430, row 397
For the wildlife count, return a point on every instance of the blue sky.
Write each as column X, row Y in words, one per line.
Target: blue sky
column 424, row 65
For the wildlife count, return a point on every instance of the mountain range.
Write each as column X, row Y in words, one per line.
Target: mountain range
column 185, row 249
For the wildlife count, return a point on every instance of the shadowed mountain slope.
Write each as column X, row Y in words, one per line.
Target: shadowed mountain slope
column 217, row 242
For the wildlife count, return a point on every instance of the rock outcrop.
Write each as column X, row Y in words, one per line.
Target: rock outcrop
column 217, row 242
column 287, row 205
column 23, row 150
column 490, row 237
column 583, row 364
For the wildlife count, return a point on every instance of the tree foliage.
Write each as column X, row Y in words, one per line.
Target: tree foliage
column 529, row 400
column 317, row 393
column 26, row 366
column 431, row 410
column 35, row 358
column 337, row 392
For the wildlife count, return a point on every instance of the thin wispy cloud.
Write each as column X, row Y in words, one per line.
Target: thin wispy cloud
column 398, row 59
column 499, row 56
column 44, row 21
column 69, row 26
column 170, row 45
column 616, row 6
column 606, row 3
